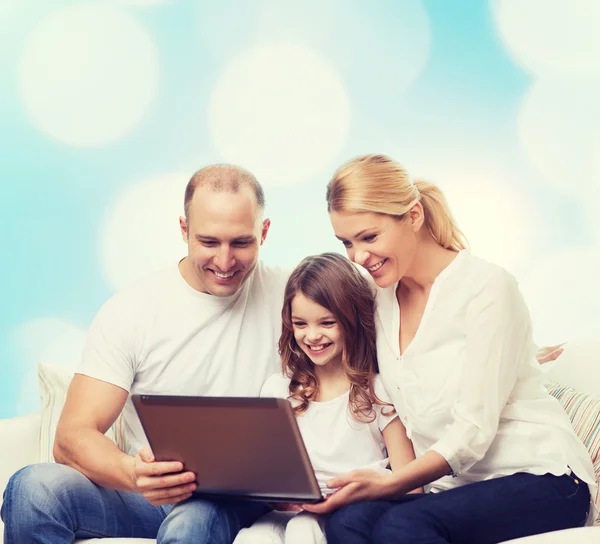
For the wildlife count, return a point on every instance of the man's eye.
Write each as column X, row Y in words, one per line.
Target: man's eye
column 241, row 244
column 209, row 244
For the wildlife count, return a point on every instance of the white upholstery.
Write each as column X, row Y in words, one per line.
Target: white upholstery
column 582, row 535
column 118, row 540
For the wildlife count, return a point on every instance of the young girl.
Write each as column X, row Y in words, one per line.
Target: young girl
column 329, row 364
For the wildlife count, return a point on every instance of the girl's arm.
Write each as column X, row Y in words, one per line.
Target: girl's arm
column 399, row 447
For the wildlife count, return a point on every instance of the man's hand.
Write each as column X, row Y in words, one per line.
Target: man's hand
column 161, row 482
column 549, row 353
column 358, row 485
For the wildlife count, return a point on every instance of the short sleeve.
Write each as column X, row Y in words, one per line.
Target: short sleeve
column 110, row 352
column 276, row 386
column 385, row 414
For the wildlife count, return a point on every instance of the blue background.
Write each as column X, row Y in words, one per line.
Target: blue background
column 497, row 104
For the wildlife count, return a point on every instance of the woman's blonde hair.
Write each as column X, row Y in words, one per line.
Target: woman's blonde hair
column 378, row 184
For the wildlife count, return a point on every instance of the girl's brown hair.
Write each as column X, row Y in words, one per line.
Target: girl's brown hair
column 333, row 282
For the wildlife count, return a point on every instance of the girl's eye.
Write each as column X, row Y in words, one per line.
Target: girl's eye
column 370, row 238
column 298, row 323
column 329, row 323
column 346, row 243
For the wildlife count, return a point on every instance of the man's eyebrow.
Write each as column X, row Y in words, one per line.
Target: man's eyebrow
column 206, row 238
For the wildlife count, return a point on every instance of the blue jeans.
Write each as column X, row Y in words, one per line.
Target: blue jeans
column 480, row 513
column 54, row 504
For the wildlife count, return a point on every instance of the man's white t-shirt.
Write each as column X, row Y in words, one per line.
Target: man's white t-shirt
column 164, row 337
column 335, row 441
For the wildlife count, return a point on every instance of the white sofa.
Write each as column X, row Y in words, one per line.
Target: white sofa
column 578, row 367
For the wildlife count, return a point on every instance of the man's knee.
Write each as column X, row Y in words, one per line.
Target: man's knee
column 195, row 520
column 41, row 482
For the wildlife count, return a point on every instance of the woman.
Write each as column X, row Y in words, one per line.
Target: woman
column 497, row 453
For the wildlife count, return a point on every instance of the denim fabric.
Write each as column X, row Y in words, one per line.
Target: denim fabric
column 480, row 513
column 54, row 504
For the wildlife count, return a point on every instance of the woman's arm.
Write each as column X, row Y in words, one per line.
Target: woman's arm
column 498, row 343
column 364, row 485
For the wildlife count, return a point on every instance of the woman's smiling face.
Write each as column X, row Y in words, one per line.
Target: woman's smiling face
column 383, row 244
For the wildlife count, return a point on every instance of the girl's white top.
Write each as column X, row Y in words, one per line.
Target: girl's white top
column 336, row 442
column 468, row 386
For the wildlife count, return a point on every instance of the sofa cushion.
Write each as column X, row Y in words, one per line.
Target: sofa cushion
column 578, row 367
column 54, row 381
column 584, row 411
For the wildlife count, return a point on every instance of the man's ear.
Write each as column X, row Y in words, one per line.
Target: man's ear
column 265, row 229
column 184, row 228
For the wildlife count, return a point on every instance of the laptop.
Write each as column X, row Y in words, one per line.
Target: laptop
column 238, row 447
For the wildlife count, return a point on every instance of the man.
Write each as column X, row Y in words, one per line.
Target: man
column 208, row 326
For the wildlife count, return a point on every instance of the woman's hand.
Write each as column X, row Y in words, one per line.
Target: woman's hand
column 549, row 353
column 358, row 485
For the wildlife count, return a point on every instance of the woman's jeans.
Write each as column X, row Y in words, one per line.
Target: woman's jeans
column 54, row 504
column 480, row 513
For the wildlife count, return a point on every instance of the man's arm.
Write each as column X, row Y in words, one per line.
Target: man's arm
column 91, row 408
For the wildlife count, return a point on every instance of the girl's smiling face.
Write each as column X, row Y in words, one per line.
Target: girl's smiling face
column 316, row 331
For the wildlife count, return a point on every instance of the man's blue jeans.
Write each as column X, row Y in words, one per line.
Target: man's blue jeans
column 54, row 504
column 481, row 513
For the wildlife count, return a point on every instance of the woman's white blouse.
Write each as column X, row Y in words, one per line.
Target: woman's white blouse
column 468, row 385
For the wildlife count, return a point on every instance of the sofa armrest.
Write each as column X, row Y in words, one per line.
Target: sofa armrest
column 20, row 439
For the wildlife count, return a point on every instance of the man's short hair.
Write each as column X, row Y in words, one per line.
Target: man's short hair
column 223, row 177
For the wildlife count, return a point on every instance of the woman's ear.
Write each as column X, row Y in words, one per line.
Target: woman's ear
column 416, row 216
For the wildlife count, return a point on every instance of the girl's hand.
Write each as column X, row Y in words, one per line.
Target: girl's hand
column 286, row 507
column 358, row 485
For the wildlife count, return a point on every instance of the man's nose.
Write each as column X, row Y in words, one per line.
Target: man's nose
column 224, row 258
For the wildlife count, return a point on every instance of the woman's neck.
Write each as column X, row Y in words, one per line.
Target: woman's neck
column 428, row 262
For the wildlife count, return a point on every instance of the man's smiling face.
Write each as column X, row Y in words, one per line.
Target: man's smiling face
column 223, row 232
